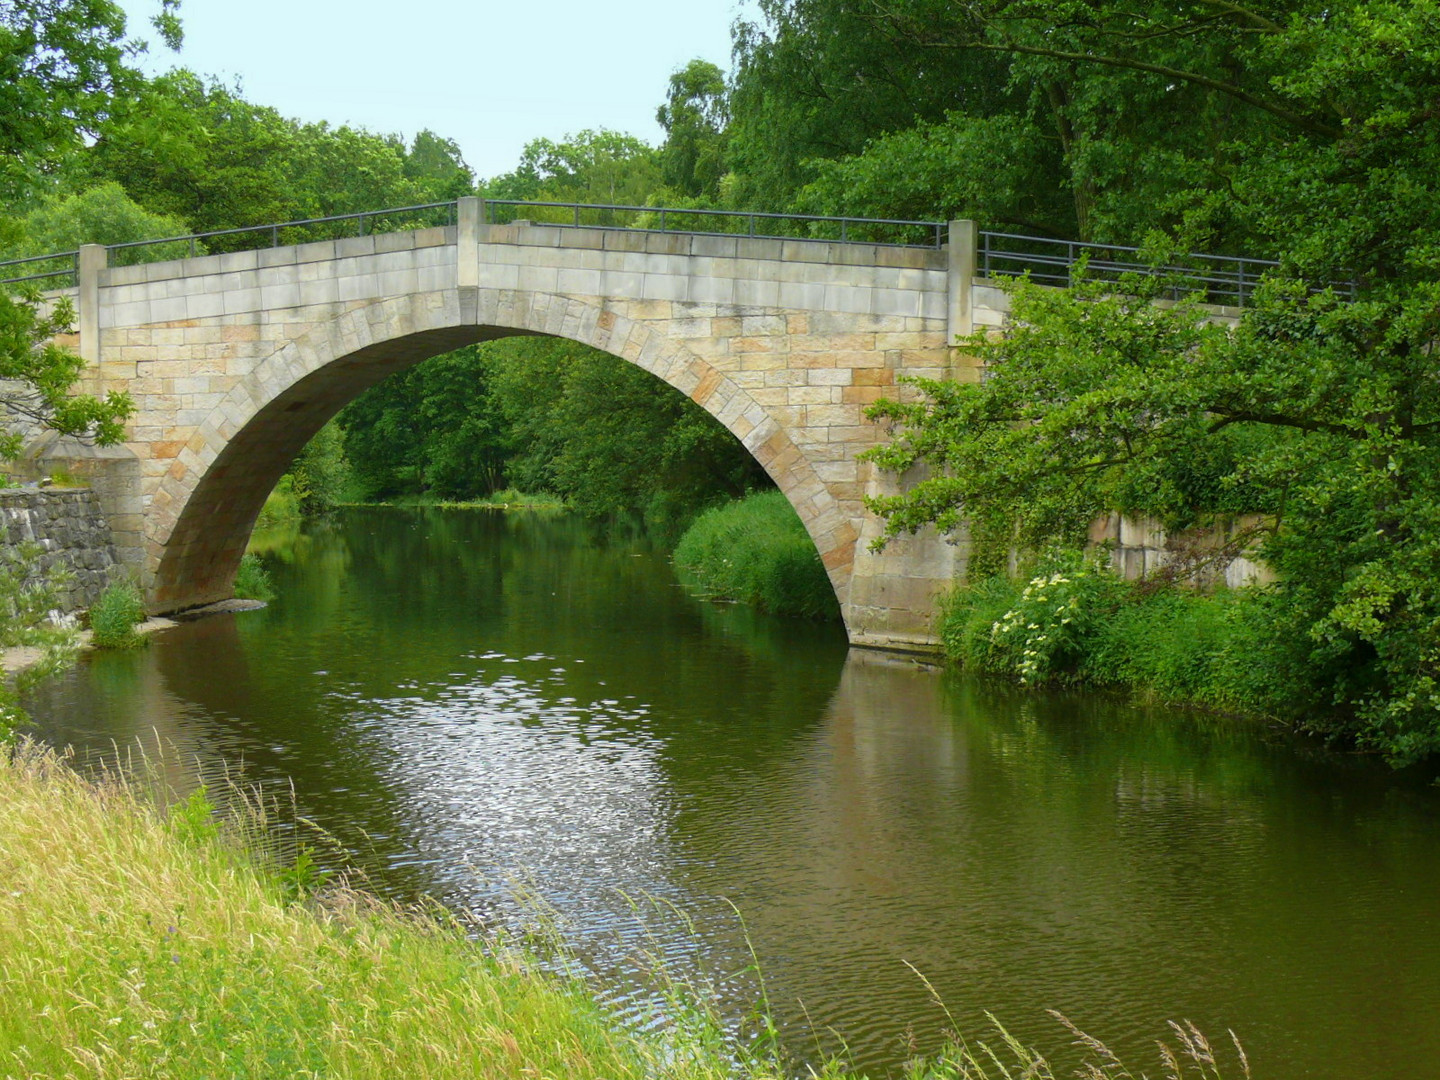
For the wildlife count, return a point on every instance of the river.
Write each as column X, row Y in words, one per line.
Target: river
column 481, row 706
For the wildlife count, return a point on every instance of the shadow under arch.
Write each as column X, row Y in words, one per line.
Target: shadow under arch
column 205, row 509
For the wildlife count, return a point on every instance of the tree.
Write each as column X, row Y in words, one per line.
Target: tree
column 61, row 64
column 694, row 117
column 602, row 167
column 1321, row 410
column 37, row 378
column 818, row 79
column 98, row 215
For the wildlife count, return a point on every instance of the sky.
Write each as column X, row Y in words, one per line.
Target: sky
column 492, row 76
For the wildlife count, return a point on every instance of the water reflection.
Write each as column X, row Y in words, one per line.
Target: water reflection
column 468, row 698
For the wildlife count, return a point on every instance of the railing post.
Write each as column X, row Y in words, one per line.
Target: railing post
column 469, row 224
column 961, row 266
column 92, row 259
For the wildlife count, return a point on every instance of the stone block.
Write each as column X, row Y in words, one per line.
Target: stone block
column 710, row 289
column 832, row 415
column 538, row 279
column 805, row 251
column 665, row 287
column 585, row 282
column 204, row 306
column 395, row 241
column 757, row 293
column 623, row 240
column 115, row 276
column 801, row 295
column 720, row 247
column 276, row 256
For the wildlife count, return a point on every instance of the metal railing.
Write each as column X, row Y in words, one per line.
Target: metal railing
column 885, row 232
column 1221, row 279
column 307, row 230
column 64, row 265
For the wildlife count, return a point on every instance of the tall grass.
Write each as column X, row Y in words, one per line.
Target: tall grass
column 136, row 941
column 115, row 614
column 756, row 551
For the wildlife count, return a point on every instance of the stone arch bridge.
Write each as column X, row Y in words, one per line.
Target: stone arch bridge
column 234, row 361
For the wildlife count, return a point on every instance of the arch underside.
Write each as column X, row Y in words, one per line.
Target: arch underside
column 207, row 506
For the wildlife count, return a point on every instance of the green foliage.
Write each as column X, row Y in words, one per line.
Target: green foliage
column 979, row 167
column 602, row 166
column 252, row 580
column 434, row 427
column 320, row 475
column 98, row 215
column 38, row 377
column 197, row 150
column 61, row 62
column 818, row 79
column 1076, row 623
column 193, row 821
column 1047, row 630
column 115, row 614
column 756, row 551
column 544, row 415
column 29, row 592
column 694, row 116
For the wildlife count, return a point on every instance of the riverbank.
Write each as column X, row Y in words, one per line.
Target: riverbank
column 1075, row 623
column 19, row 658
column 136, row 940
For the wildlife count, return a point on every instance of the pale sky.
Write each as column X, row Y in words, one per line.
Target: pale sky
column 489, row 75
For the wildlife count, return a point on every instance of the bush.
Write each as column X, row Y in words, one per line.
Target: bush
column 252, row 580
column 1080, row 624
column 115, row 614
column 756, row 551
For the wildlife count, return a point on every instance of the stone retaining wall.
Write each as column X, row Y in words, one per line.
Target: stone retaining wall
column 1216, row 555
column 71, row 529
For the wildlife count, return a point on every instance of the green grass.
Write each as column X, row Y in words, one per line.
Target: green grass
column 136, row 941
column 505, row 499
column 114, row 616
column 756, row 551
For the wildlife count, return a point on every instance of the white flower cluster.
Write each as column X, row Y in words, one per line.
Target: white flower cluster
column 1038, row 641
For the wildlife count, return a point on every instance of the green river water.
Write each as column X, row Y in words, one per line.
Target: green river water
column 477, row 703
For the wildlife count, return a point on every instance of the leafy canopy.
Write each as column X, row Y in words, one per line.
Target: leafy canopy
column 1320, row 411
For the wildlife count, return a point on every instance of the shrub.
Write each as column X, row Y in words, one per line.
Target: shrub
column 756, row 551
column 1051, row 626
column 252, row 580
column 113, row 618
column 1076, row 622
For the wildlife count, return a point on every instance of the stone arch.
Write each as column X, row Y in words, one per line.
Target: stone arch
column 205, row 508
